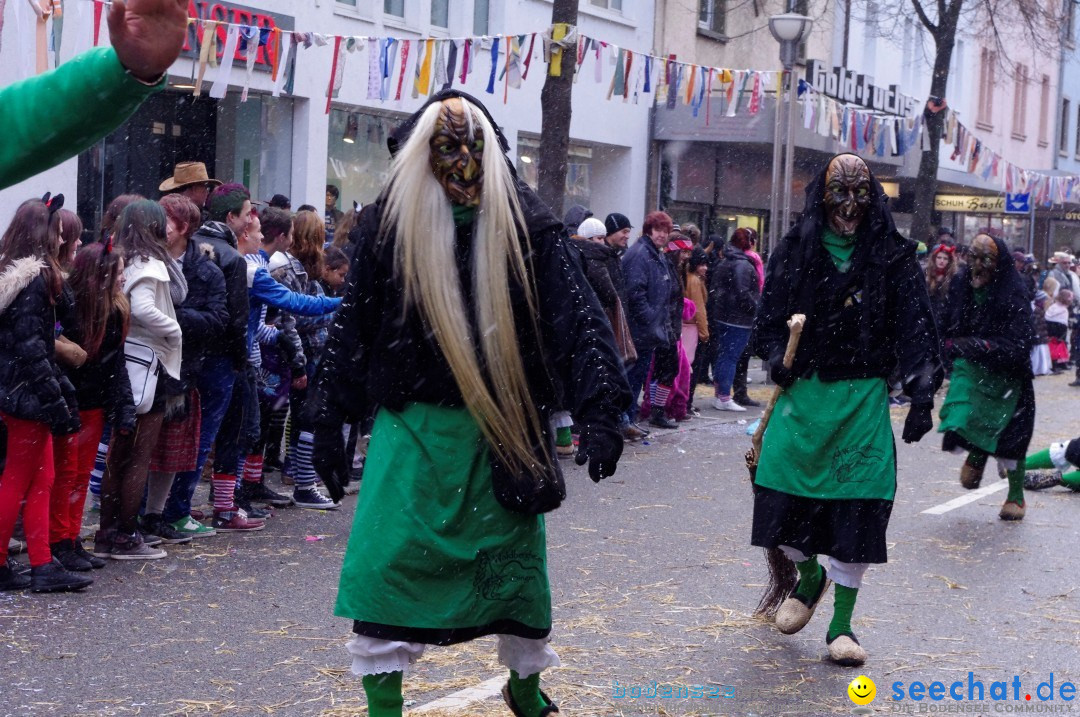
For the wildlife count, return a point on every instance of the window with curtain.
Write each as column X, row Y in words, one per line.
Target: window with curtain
column 481, row 11
column 986, row 88
column 440, row 13
column 1019, row 128
column 1044, row 112
column 711, row 15
column 1063, row 135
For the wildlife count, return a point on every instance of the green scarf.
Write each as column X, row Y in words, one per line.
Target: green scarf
column 462, row 215
column 840, row 248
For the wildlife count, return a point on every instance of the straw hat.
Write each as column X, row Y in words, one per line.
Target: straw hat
column 1060, row 256
column 186, row 174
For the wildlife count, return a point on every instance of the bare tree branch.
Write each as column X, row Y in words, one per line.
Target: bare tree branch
column 924, row 19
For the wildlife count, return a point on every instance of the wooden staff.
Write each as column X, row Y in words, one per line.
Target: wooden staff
column 795, row 327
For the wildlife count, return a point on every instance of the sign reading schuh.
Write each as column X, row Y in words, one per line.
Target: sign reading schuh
column 969, row 203
column 855, row 89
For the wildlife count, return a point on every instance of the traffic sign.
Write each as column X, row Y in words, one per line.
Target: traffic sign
column 1018, row 203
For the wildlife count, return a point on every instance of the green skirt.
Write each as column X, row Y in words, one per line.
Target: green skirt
column 826, row 477
column 433, row 557
column 979, row 406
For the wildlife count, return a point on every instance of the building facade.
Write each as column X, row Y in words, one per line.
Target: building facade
column 720, row 173
column 290, row 145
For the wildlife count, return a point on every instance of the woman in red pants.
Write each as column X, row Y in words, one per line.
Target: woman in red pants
column 36, row 400
column 99, row 326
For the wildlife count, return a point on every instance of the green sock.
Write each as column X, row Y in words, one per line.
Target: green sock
column 1016, row 483
column 843, row 606
column 384, row 694
column 526, row 693
column 1040, row 460
column 810, row 577
column 563, row 437
column 977, row 459
column 1072, row 480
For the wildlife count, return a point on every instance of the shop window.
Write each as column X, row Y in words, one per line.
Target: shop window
column 357, row 161
column 1019, row 128
column 481, row 13
column 394, row 7
column 254, row 144
column 1044, row 112
column 440, row 13
column 711, row 16
column 1063, row 134
column 578, row 169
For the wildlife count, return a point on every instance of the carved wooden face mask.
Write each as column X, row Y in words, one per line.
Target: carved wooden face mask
column 983, row 260
column 847, row 193
column 457, row 153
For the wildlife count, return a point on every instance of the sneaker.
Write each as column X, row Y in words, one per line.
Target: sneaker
column 189, row 526
column 11, row 577
column 310, row 497
column 63, row 551
column 16, row 567
column 1041, row 480
column 95, row 562
column 103, row 542
column 198, row 514
column 643, row 429
column 150, row 539
column 250, row 510
column 52, row 578
column 235, row 521
column 353, row 486
column 661, row 421
column 133, row 547
column 1076, row 382
column 286, row 479
column 260, row 493
column 631, row 433
column 727, row 405
column 156, row 525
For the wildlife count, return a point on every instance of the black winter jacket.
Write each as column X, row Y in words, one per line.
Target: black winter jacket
column 859, row 324
column 202, row 317
column 734, row 293
column 233, row 265
column 378, row 354
column 32, row 386
column 102, row 382
column 596, row 259
column 652, row 289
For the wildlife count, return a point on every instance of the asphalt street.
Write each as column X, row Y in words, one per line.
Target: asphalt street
column 653, row 581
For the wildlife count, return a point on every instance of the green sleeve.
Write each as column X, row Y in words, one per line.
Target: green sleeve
column 49, row 118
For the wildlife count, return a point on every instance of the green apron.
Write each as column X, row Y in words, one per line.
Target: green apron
column 431, row 547
column 830, row 440
column 979, row 405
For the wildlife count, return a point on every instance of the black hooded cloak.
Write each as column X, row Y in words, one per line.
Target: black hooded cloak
column 1005, row 335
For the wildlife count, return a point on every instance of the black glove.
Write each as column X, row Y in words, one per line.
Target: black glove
column 602, row 451
column 918, row 423
column 330, row 461
column 781, row 376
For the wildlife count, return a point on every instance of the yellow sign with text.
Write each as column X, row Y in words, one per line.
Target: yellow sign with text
column 969, row 203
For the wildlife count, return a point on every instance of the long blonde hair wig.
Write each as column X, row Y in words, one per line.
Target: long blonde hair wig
column 491, row 379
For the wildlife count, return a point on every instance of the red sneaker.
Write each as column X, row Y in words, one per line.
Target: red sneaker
column 236, row 521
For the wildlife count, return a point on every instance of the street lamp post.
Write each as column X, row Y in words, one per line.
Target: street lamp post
column 789, row 29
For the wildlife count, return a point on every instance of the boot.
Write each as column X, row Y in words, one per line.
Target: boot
column 745, row 401
column 51, row 577
column 11, row 578
column 658, row 417
column 970, row 476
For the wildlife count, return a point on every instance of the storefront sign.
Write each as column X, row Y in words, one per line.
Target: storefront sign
column 1071, row 217
column 238, row 15
column 855, row 89
column 969, row 203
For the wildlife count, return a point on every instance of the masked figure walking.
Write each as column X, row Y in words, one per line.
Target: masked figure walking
column 988, row 335
column 827, row 472
column 467, row 321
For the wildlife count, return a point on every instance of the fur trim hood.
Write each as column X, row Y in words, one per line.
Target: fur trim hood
column 17, row 277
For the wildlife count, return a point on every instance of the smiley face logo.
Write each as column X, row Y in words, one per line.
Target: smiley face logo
column 862, row 690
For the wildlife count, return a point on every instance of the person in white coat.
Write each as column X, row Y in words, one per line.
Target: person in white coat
column 154, row 284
